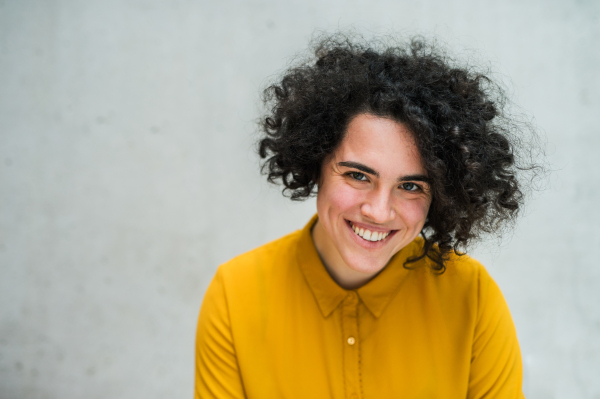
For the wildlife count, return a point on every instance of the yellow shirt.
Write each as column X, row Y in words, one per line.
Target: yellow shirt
column 274, row 324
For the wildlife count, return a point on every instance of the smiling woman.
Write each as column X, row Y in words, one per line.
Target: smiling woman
column 373, row 185
column 411, row 157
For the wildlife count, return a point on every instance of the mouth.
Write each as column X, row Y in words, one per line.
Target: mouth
column 370, row 235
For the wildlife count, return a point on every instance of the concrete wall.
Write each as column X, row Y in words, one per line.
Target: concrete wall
column 127, row 175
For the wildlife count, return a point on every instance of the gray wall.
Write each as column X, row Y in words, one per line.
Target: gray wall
column 127, row 176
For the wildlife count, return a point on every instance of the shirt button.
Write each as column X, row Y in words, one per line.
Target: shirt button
column 351, row 341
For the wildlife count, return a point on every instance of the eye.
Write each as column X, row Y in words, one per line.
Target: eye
column 410, row 187
column 358, row 176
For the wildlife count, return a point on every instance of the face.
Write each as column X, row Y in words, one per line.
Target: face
column 373, row 196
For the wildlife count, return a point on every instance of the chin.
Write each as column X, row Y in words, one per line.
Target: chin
column 366, row 265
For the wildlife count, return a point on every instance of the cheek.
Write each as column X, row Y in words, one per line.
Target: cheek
column 415, row 212
column 338, row 199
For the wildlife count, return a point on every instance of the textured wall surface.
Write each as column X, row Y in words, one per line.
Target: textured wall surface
column 127, row 176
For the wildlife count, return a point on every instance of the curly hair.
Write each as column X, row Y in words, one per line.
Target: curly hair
column 456, row 115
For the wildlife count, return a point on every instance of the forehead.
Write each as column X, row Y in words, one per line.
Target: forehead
column 382, row 144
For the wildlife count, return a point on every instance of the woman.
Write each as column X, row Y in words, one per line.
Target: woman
column 410, row 158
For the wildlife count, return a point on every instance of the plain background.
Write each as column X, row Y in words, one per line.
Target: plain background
column 127, row 175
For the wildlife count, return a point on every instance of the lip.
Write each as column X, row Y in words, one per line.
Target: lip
column 369, row 244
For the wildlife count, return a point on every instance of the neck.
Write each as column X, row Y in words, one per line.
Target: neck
column 339, row 271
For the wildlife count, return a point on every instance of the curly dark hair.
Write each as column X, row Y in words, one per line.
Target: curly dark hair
column 457, row 116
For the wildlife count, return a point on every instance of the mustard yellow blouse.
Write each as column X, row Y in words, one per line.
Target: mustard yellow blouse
column 274, row 324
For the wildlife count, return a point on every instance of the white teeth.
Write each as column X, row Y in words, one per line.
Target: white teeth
column 370, row 235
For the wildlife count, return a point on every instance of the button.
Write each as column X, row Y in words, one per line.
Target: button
column 354, row 396
column 351, row 341
column 351, row 298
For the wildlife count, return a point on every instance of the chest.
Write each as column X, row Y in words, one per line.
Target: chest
column 289, row 349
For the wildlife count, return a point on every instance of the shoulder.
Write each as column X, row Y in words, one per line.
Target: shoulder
column 460, row 269
column 464, row 267
column 467, row 275
column 465, row 280
column 467, row 269
column 265, row 256
column 249, row 287
column 261, row 267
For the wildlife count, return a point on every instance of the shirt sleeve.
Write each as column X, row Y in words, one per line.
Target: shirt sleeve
column 496, row 368
column 217, row 372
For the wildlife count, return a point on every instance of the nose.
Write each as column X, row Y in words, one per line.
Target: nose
column 378, row 206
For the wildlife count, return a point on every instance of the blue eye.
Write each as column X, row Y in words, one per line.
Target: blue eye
column 409, row 186
column 358, row 176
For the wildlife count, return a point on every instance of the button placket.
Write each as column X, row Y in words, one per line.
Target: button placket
column 351, row 346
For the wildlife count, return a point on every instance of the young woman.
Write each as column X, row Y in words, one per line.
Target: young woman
column 410, row 158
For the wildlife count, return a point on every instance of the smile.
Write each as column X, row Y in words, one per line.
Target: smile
column 369, row 235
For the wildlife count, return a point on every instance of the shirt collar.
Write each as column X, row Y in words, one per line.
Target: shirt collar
column 376, row 294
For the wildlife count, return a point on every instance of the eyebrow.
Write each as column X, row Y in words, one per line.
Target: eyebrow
column 366, row 169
